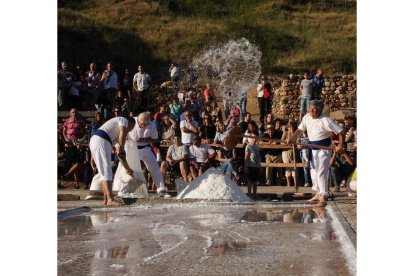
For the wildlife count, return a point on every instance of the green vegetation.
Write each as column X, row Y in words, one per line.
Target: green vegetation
column 292, row 34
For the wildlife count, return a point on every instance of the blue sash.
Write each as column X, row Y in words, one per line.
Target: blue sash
column 104, row 135
column 325, row 142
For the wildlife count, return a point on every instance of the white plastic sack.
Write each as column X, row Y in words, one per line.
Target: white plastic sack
column 125, row 183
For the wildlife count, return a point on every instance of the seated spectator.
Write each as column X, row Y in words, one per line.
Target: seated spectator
column 246, row 119
column 216, row 112
column 175, row 109
column 269, row 119
column 342, row 164
column 251, row 129
column 119, row 99
column 176, row 158
column 200, row 155
column 167, row 129
column 75, row 162
column 189, row 129
column 206, row 112
column 74, row 126
column 350, row 132
column 227, row 159
column 231, row 122
column 218, row 138
column 96, row 124
column 207, row 130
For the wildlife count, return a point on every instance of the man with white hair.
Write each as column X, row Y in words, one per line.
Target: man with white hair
column 144, row 134
column 113, row 131
column 319, row 128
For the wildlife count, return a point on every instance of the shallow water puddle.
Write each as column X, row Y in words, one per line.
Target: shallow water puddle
column 201, row 240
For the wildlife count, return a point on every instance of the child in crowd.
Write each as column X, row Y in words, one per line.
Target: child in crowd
column 252, row 165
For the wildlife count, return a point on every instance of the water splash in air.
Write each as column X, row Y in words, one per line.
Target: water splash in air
column 233, row 69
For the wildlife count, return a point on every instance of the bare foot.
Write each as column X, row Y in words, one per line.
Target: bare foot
column 321, row 203
column 314, row 199
column 114, row 203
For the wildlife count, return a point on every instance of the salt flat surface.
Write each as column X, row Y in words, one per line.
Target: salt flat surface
column 202, row 240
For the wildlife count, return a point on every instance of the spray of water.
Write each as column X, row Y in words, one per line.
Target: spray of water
column 233, row 69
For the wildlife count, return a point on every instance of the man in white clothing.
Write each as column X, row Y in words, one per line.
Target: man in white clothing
column 145, row 133
column 189, row 129
column 141, row 85
column 199, row 157
column 319, row 128
column 113, row 131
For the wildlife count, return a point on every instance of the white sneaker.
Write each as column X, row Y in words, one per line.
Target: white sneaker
column 164, row 194
column 306, row 185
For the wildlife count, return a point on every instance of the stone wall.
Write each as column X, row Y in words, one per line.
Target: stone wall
column 339, row 92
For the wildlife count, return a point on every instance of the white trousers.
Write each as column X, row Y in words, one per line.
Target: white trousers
column 320, row 171
column 101, row 152
column 148, row 157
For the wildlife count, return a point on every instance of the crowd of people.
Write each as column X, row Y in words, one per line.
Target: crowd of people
column 191, row 124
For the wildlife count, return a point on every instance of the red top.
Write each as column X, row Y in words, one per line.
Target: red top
column 74, row 128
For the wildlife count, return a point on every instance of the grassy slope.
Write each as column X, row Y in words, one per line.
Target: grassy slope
column 292, row 34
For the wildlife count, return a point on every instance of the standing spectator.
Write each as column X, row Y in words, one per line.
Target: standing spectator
column 189, row 129
column 141, row 85
column 65, row 79
column 92, row 78
column 243, row 104
column 74, row 126
column 304, row 154
column 264, row 97
column 306, row 87
column 289, row 156
column 319, row 128
column 177, row 156
column 96, row 124
column 119, row 99
column 74, row 94
column 252, row 165
column 350, row 132
column 110, row 80
column 317, row 85
column 272, row 155
column 175, row 74
column 126, row 83
column 200, row 155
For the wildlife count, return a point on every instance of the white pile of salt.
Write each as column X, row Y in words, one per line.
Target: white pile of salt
column 212, row 184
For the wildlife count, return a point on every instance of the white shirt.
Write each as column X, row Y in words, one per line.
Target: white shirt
column 200, row 154
column 260, row 90
column 320, row 128
column 187, row 138
column 142, row 80
column 175, row 71
column 111, row 127
column 148, row 131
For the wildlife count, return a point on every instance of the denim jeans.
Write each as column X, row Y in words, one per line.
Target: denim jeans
column 304, row 104
column 228, row 168
column 243, row 104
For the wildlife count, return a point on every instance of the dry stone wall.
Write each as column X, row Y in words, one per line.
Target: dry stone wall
column 339, row 92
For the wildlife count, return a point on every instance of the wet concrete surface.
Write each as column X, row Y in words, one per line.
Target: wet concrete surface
column 202, row 239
